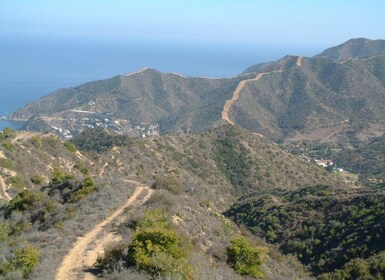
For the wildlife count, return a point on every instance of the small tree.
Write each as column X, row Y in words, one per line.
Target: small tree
column 245, row 258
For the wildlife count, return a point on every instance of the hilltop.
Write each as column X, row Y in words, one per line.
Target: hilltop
column 354, row 48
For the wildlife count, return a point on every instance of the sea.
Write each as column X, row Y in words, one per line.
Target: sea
column 30, row 69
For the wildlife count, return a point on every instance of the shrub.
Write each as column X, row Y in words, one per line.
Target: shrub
column 24, row 258
column 58, row 176
column 18, row 182
column 70, row 147
column 25, row 199
column 35, row 141
column 86, row 188
column 245, row 258
column 155, row 248
column 169, row 183
column 36, row 179
column 82, row 167
column 9, row 146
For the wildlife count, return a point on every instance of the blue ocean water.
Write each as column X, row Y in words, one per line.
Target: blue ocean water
column 30, row 69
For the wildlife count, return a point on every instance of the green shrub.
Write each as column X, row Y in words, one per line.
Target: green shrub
column 18, row 182
column 82, row 167
column 86, row 188
column 24, row 258
column 70, row 147
column 9, row 146
column 35, row 141
column 37, row 179
column 245, row 258
column 25, row 199
column 59, row 177
column 169, row 183
column 155, row 248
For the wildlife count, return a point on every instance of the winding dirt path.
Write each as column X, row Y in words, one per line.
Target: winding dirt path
column 86, row 249
column 241, row 86
column 3, row 190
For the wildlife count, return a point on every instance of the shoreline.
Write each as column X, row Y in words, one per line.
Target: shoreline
column 7, row 118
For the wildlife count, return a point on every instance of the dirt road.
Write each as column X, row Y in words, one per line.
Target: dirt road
column 241, row 86
column 3, row 190
column 86, row 249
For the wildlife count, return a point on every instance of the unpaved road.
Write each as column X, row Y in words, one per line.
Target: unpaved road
column 86, row 249
column 241, row 86
column 3, row 190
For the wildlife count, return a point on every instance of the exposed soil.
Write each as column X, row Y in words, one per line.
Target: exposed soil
column 78, row 262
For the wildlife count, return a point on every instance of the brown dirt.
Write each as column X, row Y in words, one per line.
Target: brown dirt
column 3, row 190
column 299, row 61
column 86, row 249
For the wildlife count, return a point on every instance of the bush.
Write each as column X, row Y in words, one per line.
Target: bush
column 58, row 176
column 9, row 146
column 245, row 258
column 82, row 167
column 25, row 199
column 36, row 179
column 86, row 188
column 155, row 248
column 24, row 258
column 70, row 147
column 158, row 251
column 169, row 183
column 18, row 182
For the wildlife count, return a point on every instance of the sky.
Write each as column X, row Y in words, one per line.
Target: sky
column 313, row 23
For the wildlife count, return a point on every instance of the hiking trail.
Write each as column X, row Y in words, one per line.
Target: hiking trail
column 80, row 259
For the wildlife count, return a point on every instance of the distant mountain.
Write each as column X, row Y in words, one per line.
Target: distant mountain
column 290, row 100
column 313, row 100
column 139, row 99
column 354, row 48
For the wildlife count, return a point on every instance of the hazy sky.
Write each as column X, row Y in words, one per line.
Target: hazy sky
column 306, row 22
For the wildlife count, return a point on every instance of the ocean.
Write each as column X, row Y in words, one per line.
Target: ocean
column 30, row 68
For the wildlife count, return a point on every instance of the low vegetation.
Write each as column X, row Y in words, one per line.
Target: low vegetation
column 325, row 228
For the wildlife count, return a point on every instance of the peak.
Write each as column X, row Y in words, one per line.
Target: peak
column 143, row 70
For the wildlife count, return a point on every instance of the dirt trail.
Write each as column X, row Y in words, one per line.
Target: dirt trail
column 3, row 190
column 241, row 86
column 24, row 135
column 299, row 61
column 86, row 249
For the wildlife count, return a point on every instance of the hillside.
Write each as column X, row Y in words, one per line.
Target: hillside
column 194, row 177
column 354, row 48
column 146, row 101
column 320, row 100
column 331, row 232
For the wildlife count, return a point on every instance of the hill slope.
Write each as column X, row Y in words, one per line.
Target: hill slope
column 133, row 102
column 354, row 48
column 193, row 180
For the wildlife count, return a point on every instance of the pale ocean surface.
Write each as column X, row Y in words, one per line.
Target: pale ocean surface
column 31, row 69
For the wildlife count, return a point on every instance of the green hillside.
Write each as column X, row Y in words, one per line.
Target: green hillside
column 328, row 230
